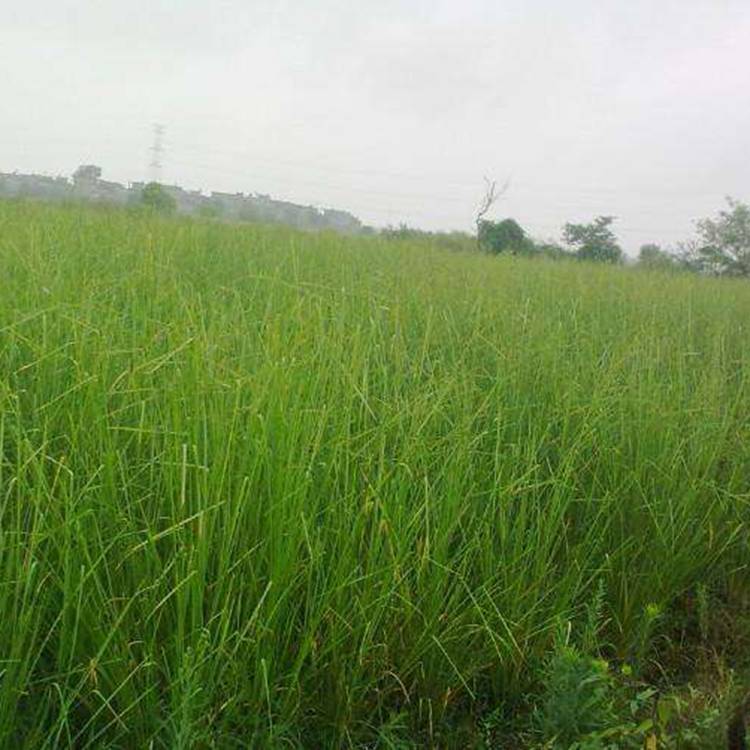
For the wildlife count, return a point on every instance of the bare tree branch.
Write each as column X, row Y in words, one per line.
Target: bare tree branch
column 491, row 195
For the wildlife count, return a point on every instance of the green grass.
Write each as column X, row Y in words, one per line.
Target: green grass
column 263, row 488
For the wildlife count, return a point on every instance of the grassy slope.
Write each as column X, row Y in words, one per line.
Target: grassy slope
column 259, row 484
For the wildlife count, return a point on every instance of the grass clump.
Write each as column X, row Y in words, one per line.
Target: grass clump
column 263, row 488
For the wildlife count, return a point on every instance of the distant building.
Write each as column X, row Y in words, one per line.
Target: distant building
column 34, row 186
column 87, row 185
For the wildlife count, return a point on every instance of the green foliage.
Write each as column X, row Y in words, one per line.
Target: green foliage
column 262, row 488
column 448, row 240
column 579, row 700
column 723, row 245
column 595, row 241
column 501, row 236
column 494, row 237
column 156, row 198
column 211, row 210
column 550, row 250
column 652, row 256
column 642, row 632
column 586, row 705
column 402, row 232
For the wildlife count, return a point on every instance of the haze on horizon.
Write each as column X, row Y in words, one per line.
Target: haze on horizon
column 395, row 111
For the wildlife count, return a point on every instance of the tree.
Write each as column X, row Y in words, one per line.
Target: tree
column 87, row 174
column 491, row 195
column 502, row 236
column 155, row 197
column 723, row 245
column 594, row 241
column 652, row 256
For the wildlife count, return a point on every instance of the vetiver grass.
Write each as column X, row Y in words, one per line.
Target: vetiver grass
column 263, row 488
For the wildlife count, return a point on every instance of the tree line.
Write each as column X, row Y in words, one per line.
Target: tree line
column 721, row 245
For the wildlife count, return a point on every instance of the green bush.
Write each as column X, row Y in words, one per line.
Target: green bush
column 155, row 197
column 594, row 241
column 502, row 236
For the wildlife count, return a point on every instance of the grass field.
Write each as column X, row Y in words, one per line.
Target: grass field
column 268, row 489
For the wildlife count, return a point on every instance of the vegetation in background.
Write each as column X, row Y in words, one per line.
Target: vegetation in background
column 502, row 236
column 458, row 241
column 652, row 256
column 261, row 488
column 722, row 247
column 210, row 210
column 723, row 244
column 595, row 241
column 155, row 197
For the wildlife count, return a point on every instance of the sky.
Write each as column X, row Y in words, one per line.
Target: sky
column 396, row 111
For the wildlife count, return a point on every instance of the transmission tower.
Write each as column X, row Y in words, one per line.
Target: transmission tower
column 157, row 149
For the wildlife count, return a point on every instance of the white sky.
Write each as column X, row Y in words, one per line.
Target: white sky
column 396, row 110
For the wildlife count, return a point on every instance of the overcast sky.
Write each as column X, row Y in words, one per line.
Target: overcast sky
column 396, row 110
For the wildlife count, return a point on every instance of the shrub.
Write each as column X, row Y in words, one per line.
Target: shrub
column 155, row 197
column 594, row 241
column 502, row 236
